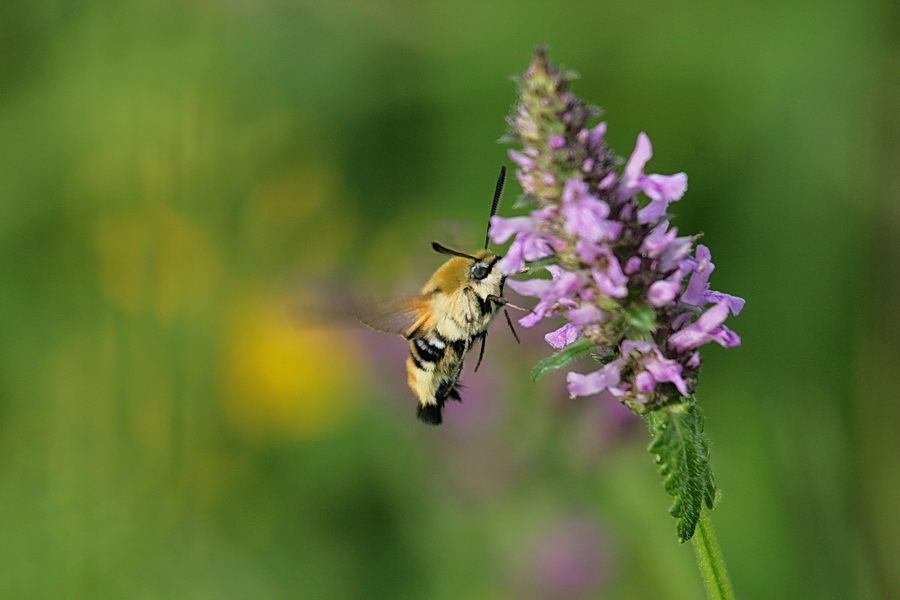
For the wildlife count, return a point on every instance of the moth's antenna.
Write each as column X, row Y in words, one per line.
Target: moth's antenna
column 445, row 250
column 498, row 191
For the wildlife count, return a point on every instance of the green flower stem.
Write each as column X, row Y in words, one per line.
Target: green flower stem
column 709, row 559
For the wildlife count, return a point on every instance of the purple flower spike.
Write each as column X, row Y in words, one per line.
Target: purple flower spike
column 623, row 278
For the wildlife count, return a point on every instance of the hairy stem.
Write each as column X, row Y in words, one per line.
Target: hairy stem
column 709, row 559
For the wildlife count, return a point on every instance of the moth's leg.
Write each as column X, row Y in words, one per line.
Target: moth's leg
column 470, row 293
column 498, row 300
column 511, row 328
column 481, row 352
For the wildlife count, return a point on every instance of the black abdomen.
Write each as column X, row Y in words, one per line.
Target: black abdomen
column 433, row 413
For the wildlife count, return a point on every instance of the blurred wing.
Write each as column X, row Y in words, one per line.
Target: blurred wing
column 396, row 316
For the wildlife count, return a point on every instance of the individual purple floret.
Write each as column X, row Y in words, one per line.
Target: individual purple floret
column 619, row 274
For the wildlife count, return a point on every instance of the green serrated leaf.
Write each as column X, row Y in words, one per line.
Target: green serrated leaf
column 642, row 317
column 682, row 453
column 543, row 262
column 562, row 358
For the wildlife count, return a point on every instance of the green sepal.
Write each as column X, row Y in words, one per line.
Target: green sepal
column 562, row 358
column 543, row 262
column 642, row 317
column 682, row 453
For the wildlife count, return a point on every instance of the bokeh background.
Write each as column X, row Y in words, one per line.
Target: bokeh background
column 174, row 175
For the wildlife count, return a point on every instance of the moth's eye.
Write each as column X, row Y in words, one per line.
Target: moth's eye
column 480, row 270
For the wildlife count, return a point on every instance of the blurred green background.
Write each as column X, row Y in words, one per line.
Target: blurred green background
column 173, row 173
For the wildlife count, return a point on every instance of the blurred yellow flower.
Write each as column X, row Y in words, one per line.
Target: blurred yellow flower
column 284, row 380
column 156, row 260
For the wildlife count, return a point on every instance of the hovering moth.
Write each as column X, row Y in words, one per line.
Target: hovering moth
column 454, row 310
